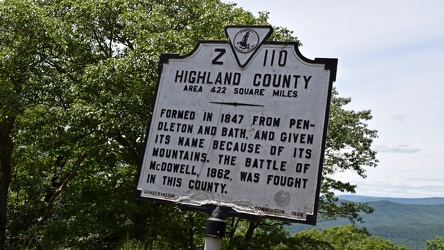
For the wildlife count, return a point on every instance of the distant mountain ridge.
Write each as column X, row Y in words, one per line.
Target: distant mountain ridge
column 413, row 201
column 406, row 221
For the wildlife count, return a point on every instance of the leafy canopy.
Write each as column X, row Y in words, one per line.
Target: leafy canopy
column 76, row 83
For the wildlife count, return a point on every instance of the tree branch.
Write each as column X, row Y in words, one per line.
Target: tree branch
column 60, row 189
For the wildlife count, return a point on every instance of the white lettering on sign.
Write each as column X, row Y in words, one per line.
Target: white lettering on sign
column 246, row 133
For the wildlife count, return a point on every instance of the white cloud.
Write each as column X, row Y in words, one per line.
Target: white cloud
column 400, row 149
column 403, row 189
column 427, row 179
column 399, row 117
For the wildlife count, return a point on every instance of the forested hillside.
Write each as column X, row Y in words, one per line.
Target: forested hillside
column 407, row 224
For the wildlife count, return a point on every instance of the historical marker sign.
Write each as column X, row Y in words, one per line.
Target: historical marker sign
column 241, row 124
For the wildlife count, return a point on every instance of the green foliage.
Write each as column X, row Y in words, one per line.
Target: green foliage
column 76, row 84
column 77, row 79
column 347, row 149
column 345, row 237
column 407, row 224
column 133, row 245
column 435, row 244
column 268, row 234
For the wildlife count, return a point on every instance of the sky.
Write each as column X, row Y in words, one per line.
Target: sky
column 391, row 61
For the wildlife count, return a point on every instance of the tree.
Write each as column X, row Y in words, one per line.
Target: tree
column 435, row 244
column 339, row 237
column 77, row 79
column 344, row 237
column 76, row 83
column 19, row 44
column 348, row 148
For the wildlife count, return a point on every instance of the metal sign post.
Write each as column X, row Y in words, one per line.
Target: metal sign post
column 215, row 230
column 239, row 124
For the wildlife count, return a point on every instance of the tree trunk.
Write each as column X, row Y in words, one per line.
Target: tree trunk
column 251, row 227
column 191, row 245
column 4, row 185
column 6, row 147
column 140, row 221
column 249, row 234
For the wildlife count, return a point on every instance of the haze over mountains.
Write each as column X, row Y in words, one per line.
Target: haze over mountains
column 404, row 221
column 417, row 201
